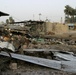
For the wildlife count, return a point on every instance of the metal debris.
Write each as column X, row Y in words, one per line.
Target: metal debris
column 7, row 45
column 64, row 56
column 69, row 66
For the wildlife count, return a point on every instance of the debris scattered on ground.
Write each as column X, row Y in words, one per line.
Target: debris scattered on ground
column 20, row 43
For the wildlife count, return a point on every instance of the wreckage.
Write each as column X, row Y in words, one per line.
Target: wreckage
column 63, row 60
column 60, row 60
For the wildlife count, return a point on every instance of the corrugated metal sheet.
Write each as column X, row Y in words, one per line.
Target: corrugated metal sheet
column 69, row 66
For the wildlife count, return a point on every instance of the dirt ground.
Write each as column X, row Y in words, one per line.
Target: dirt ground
column 25, row 68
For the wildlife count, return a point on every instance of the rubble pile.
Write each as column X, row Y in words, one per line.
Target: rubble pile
column 21, row 45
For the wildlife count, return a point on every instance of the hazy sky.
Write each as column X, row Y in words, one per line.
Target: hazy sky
column 30, row 9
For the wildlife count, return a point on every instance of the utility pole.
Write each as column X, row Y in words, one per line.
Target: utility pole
column 39, row 16
column 33, row 17
column 61, row 19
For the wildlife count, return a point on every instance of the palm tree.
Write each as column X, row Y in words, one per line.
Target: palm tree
column 70, row 12
column 75, row 15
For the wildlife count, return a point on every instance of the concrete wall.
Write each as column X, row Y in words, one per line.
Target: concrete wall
column 49, row 27
column 56, row 28
column 60, row 28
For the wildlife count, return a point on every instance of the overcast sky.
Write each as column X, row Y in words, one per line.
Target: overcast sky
column 30, row 9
